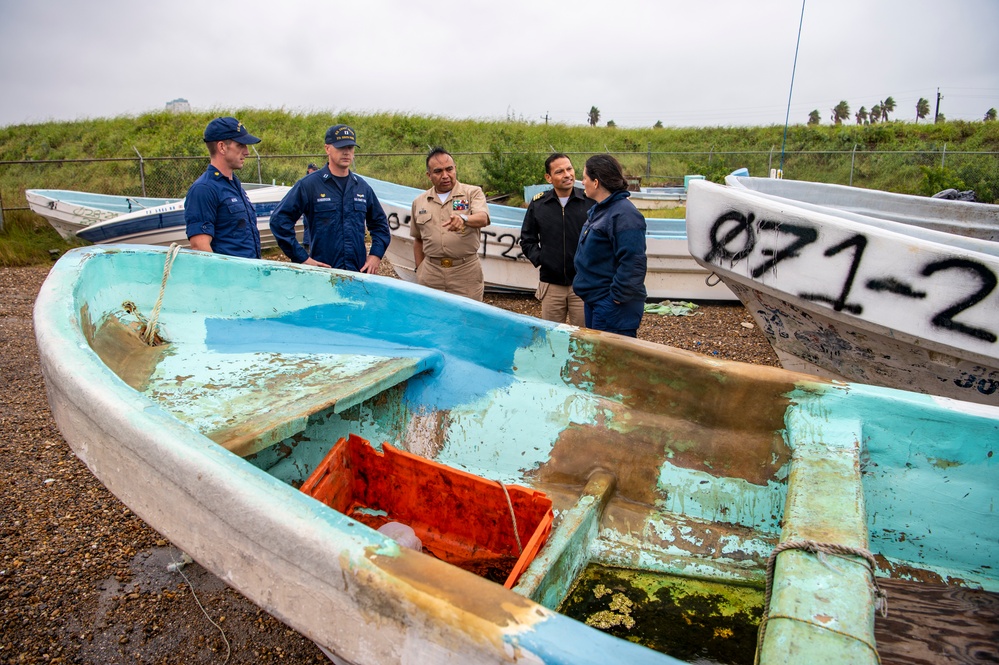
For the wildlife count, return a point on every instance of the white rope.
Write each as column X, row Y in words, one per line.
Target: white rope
column 513, row 516
column 150, row 333
column 177, row 567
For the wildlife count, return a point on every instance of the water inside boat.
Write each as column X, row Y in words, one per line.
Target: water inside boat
column 694, row 620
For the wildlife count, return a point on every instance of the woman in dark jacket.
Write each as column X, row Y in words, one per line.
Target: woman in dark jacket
column 610, row 259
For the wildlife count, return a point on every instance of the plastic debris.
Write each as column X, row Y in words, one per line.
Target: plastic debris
column 402, row 534
column 670, row 308
column 177, row 566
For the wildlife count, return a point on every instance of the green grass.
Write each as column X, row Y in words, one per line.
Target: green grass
column 392, row 147
column 24, row 241
column 679, row 212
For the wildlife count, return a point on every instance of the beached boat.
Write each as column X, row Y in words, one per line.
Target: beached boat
column 644, row 198
column 657, row 461
column 69, row 211
column 857, row 297
column 974, row 220
column 672, row 272
column 164, row 224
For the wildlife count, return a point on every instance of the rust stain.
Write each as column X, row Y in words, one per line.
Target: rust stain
column 666, row 404
column 659, row 379
column 119, row 346
column 441, row 590
column 902, row 571
column 712, row 540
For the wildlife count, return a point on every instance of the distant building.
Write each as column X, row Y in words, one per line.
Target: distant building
column 178, row 105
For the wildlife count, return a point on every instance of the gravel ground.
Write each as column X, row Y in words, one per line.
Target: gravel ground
column 83, row 580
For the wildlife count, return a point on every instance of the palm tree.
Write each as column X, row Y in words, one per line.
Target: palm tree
column 887, row 106
column 813, row 117
column 922, row 108
column 594, row 116
column 990, row 115
column 875, row 113
column 861, row 115
column 840, row 112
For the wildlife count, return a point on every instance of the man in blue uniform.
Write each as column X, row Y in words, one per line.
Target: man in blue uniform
column 218, row 214
column 337, row 205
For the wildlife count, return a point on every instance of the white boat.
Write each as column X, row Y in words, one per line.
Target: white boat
column 645, row 198
column 672, row 272
column 70, row 211
column 164, row 224
column 857, row 297
column 664, row 470
column 974, row 220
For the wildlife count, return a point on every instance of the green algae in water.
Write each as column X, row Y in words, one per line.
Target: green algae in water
column 689, row 619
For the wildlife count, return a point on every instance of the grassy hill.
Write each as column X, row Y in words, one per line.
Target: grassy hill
column 168, row 134
column 500, row 155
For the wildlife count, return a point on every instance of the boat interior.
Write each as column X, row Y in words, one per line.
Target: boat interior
column 656, row 460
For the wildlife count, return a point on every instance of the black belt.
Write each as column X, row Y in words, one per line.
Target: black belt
column 446, row 262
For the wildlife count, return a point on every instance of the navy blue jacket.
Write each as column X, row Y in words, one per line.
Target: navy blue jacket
column 219, row 207
column 610, row 259
column 336, row 221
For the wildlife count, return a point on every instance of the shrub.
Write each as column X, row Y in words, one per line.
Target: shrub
column 508, row 172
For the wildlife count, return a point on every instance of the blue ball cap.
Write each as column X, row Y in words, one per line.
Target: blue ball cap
column 225, row 129
column 340, row 136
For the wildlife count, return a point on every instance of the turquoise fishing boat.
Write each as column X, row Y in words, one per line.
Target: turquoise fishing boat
column 212, row 395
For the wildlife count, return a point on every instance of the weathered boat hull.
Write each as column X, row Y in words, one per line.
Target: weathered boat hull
column 69, row 211
column 974, row 220
column 164, row 224
column 656, row 459
column 857, row 298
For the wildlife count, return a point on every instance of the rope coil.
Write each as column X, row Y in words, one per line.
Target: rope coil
column 812, row 547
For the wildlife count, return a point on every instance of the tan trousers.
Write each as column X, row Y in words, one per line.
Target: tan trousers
column 557, row 301
column 463, row 280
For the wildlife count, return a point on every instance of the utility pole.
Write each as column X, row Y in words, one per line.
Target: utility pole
column 546, row 117
column 936, row 113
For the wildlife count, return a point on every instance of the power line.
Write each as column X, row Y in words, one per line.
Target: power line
column 793, row 67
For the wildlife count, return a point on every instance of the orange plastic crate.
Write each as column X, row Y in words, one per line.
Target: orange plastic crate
column 461, row 518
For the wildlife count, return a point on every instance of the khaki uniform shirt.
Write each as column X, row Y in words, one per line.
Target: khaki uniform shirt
column 429, row 215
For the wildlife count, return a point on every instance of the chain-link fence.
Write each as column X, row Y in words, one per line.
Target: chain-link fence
column 907, row 172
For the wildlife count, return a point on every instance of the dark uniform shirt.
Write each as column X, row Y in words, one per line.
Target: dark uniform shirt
column 336, row 220
column 219, row 207
column 550, row 233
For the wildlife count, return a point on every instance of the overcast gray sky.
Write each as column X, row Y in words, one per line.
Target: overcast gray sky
column 689, row 63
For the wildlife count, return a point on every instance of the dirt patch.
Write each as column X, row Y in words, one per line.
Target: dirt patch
column 83, row 580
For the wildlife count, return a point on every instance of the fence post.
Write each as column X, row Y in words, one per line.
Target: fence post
column 770, row 159
column 260, row 177
column 853, row 160
column 943, row 155
column 648, row 161
column 1, row 212
column 142, row 170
